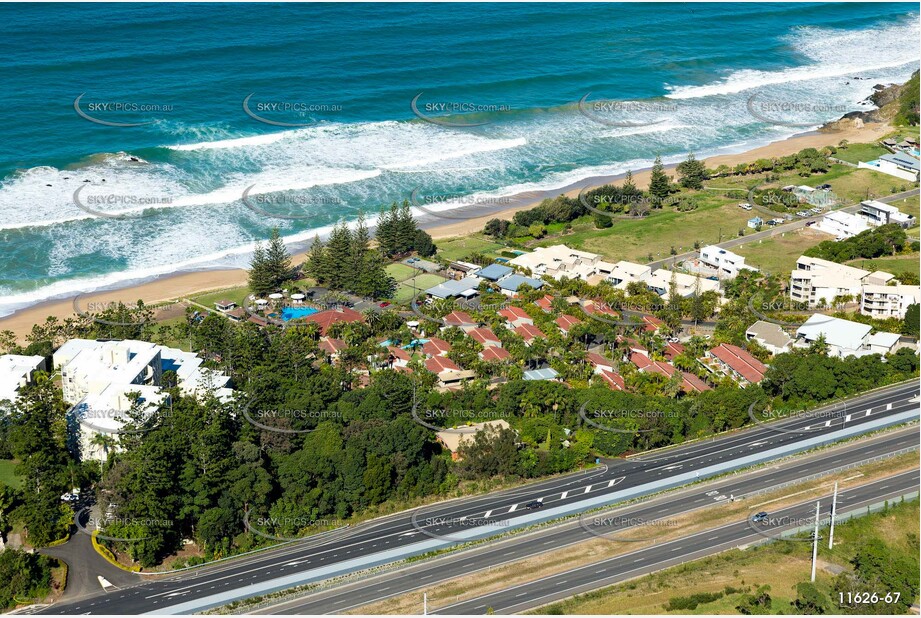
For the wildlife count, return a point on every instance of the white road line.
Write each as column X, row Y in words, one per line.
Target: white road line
column 588, row 489
column 512, row 510
column 847, row 419
column 488, row 513
column 563, row 495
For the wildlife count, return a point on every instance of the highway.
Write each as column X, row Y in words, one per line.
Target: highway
column 425, row 575
column 740, row 533
column 398, row 536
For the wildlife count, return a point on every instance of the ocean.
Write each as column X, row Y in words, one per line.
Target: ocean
column 147, row 139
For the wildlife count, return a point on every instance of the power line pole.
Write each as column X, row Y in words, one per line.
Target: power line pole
column 815, row 541
column 834, row 503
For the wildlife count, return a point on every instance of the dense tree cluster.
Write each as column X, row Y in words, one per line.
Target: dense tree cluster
column 23, row 576
column 347, row 262
column 398, row 234
column 270, row 267
column 886, row 239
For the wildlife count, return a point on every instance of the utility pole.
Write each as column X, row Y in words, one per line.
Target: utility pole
column 834, row 504
column 815, row 541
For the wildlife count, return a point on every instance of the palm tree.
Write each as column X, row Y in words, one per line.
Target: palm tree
column 106, row 442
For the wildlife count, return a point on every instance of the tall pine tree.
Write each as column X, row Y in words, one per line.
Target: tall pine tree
column 659, row 184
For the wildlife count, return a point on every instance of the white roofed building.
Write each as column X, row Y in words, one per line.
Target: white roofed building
column 686, row 285
column 842, row 224
column 16, row 371
column 815, row 280
column 845, row 338
column 97, row 378
column 725, row 262
column 880, row 213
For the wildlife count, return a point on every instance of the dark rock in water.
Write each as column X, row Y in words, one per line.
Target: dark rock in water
column 66, row 177
column 103, row 180
column 133, row 159
column 47, row 185
column 878, row 87
column 87, row 180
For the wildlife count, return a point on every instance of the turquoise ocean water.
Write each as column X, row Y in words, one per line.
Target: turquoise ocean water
column 160, row 149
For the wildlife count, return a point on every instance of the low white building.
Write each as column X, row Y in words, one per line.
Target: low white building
column 900, row 165
column 842, row 224
column 560, row 261
column 99, row 378
column 686, row 285
column 845, row 338
column 624, row 273
column 879, row 213
column 769, row 336
column 725, row 262
column 16, row 371
column 888, row 301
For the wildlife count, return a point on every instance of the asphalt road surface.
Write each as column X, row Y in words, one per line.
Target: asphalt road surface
column 548, row 589
column 647, row 518
column 369, row 541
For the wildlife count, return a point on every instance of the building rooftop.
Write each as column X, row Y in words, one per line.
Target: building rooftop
column 772, row 334
column 494, row 353
column 483, row 335
column 513, row 282
column 453, row 438
column 842, row 334
column 451, row 288
column 494, row 272
column 547, row 373
column 740, row 361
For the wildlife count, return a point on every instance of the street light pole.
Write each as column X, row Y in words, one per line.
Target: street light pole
column 815, row 542
column 834, row 503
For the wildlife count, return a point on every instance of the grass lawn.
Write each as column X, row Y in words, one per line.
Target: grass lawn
column 404, row 292
column 236, row 295
column 401, row 272
column 856, row 153
column 459, row 248
column 718, row 217
column 7, row 477
column 779, row 254
column 897, row 264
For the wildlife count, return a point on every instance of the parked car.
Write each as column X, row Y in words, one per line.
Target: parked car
column 757, row 517
column 383, row 304
column 745, row 206
column 824, row 187
column 810, row 223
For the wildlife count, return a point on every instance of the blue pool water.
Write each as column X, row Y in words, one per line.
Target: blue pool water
column 295, row 313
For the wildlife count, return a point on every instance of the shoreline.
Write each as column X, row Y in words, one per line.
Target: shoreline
column 182, row 284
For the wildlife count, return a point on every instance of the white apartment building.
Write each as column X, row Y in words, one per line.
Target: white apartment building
column 99, row 379
column 725, row 262
column 560, row 261
column 842, row 224
column 878, row 213
column 686, row 285
column 888, row 301
column 16, row 371
column 815, row 280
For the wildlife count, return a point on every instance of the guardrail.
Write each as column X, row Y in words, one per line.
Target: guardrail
column 819, row 475
column 423, row 547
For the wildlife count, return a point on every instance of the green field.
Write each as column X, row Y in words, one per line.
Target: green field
column 7, row 477
column 459, row 248
column 897, row 264
column 404, row 292
column 717, row 218
column 778, row 255
column 237, row 295
column 401, row 272
column 856, row 153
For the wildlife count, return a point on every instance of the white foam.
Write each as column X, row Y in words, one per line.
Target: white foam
column 831, row 54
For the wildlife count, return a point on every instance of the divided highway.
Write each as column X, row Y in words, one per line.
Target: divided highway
column 398, row 536
column 425, row 575
column 692, row 547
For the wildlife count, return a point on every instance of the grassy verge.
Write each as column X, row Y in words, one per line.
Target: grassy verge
column 7, row 476
column 734, row 574
column 896, row 264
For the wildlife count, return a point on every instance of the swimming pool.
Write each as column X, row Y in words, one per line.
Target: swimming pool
column 296, row 313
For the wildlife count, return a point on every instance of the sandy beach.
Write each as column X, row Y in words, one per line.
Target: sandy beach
column 190, row 283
